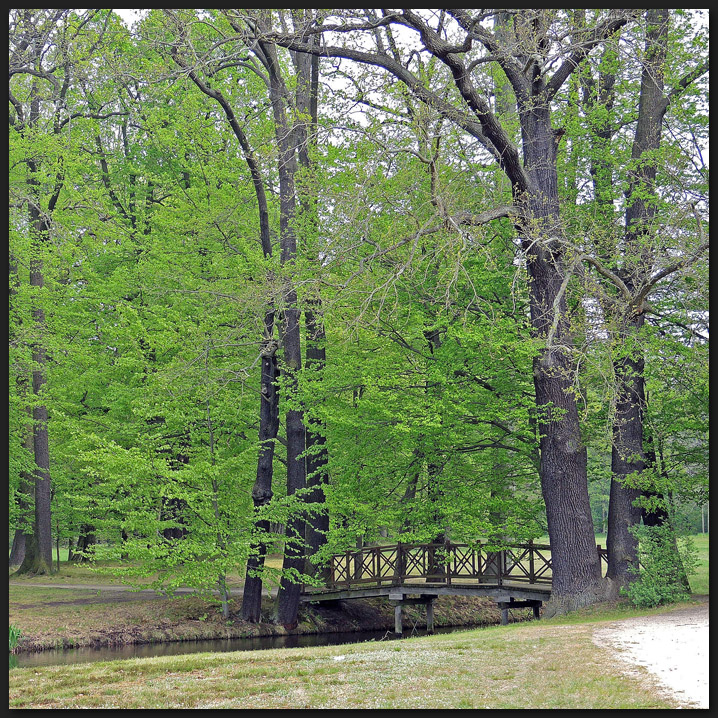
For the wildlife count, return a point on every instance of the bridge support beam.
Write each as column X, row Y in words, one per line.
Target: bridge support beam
column 505, row 606
column 428, row 601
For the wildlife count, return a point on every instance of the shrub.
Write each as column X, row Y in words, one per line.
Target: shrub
column 665, row 564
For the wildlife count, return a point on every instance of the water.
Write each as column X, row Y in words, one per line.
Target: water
column 148, row 650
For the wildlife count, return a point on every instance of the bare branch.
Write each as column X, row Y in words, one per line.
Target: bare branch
column 671, row 268
column 597, row 35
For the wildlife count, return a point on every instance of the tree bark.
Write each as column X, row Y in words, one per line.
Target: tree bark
column 564, row 481
column 262, row 490
column 287, row 607
column 40, row 439
column 85, row 539
column 628, row 456
column 17, row 550
column 317, row 459
column 317, row 524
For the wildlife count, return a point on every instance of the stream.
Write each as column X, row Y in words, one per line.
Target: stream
column 87, row 654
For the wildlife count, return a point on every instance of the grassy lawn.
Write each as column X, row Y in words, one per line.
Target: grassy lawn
column 699, row 581
column 96, row 573
column 517, row 666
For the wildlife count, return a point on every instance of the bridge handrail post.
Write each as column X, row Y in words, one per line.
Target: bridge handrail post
column 399, row 565
column 447, row 565
column 531, row 562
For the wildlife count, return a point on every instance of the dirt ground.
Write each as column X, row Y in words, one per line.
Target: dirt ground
column 672, row 647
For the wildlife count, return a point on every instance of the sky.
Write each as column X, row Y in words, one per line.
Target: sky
column 129, row 16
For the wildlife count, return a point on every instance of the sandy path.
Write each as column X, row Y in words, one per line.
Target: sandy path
column 672, row 646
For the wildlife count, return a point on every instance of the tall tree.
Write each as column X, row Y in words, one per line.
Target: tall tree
column 41, row 73
column 532, row 173
column 269, row 392
column 632, row 267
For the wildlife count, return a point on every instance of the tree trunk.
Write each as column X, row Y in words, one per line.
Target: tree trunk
column 26, row 483
column 85, row 539
column 17, row 552
column 627, row 457
column 317, row 524
column 262, row 490
column 289, row 589
column 22, row 533
column 627, row 454
column 294, row 554
column 564, row 481
column 40, row 440
column 317, row 519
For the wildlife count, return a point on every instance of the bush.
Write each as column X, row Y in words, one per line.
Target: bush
column 665, row 564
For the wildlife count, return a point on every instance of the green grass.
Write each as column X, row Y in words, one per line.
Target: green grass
column 516, row 666
column 699, row 580
column 96, row 573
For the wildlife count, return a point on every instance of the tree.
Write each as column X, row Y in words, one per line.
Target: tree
column 631, row 266
column 46, row 48
column 537, row 212
column 494, row 219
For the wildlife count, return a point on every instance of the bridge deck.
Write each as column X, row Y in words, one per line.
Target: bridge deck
column 399, row 592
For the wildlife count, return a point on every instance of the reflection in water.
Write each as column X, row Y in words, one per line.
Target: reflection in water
column 149, row 650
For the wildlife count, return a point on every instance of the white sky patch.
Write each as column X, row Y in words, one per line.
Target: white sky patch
column 130, row 16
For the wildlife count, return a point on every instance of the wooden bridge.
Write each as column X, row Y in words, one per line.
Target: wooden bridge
column 517, row 576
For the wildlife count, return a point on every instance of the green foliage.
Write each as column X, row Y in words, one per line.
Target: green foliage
column 15, row 634
column 665, row 564
column 156, row 288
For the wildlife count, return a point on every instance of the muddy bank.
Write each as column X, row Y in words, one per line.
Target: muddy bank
column 191, row 619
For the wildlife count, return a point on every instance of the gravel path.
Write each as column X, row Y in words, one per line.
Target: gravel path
column 672, row 646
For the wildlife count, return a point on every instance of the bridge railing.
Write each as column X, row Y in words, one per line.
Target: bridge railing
column 441, row 563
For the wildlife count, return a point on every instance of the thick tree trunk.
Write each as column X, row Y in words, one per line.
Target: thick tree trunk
column 564, row 482
column 317, row 523
column 32, row 562
column 17, row 551
column 317, row 519
column 627, row 457
column 262, row 490
column 628, row 454
column 22, row 533
column 288, row 596
column 294, row 553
